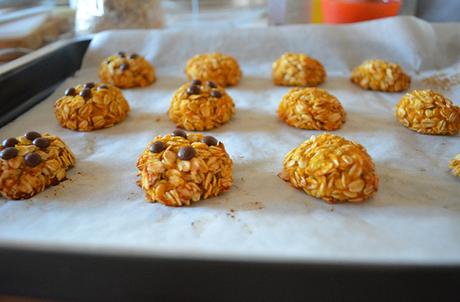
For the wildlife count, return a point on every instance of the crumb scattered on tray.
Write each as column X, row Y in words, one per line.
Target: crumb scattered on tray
column 442, row 81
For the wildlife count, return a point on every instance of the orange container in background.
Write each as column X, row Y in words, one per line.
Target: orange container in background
column 348, row 11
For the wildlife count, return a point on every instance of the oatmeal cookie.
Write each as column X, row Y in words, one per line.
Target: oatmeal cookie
column 91, row 106
column 380, row 75
column 296, row 69
column 428, row 112
column 332, row 168
column 127, row 70
column 311, row 108
column 179, row 169
column 455, row 165
column 219, row 68
column 31, row 163
column 201, row 106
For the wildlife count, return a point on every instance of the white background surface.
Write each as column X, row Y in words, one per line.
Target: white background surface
column 415, row 216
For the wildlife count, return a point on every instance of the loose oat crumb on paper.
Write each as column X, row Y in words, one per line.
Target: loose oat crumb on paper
column 442, row 81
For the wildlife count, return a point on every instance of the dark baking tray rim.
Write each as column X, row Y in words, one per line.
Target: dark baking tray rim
column 76, row 276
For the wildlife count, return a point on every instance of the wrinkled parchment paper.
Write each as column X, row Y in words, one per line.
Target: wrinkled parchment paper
column 414, row 218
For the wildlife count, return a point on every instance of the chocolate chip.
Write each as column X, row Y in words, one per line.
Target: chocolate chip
column 89, row 85
column 157, row 147
column 10, row 142
column 121, row 54
column 70, row 92
column 193, row 90
column 124, row 67
column 186, row 153
column 103, row 86
column 41, row 142
column 196, row 82
column 179, row 132
column 31, row 135
column 133, row 56
column 211, row 84
column 9, row 153
column 210, row 140
column 216, row 94
column 85, row 93
column 32, row 159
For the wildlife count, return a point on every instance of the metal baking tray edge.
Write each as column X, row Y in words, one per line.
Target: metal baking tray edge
column 76, row 276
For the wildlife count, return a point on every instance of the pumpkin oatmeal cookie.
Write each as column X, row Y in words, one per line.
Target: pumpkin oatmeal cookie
column 179, row 169
column 216, row 67
column 312, row 109
column 31, row 163
column 380, row 75
column 332, row 168
column 428, row 112
column 91, row 106
column 201, row 106
column 455, row 165
column 127, row 70
column 296, row 69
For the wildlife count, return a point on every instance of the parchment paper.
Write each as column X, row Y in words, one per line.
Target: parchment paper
column 415, row 216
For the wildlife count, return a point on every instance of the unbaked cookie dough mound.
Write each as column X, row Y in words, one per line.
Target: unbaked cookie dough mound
column 216, row 67
column 91, row 106
column 31, row 163
column 455, row 165
column 296, row 69
column 201, row 106
column 179, row 169
column 127, row 70
column 428, row 112
column 311, row 108
column 380, row 75
column 332, row 168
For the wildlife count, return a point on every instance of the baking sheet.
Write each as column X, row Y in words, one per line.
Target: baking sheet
column 414, row 218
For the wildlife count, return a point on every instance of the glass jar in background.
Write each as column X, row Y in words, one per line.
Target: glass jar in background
column 98, row 15
column 347, row 11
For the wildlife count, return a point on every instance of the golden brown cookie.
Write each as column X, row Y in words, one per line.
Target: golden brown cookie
column 216, row 67
column 332, row 168
column 455, row 165
column 428, row 112
column 31, row 163
column 380, row 75
column 127, row 71
column 311, row 108
column 297, row 69
column 179, row 168
column 200, row 106
column 91, row 106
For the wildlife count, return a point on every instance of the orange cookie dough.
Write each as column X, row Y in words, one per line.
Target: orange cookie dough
column 380, row 75
column 179, row 169
column 91, row 106
column 312, row 109
column 332, row 168
column 31, row 163
column 428, row 112
column 296, row 69
column 127, row 71
column 201, row 106
column 216, row 67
